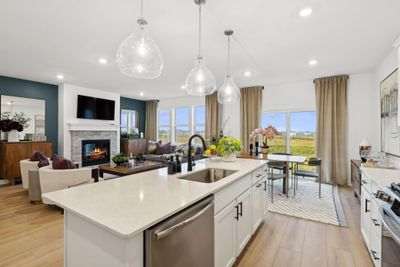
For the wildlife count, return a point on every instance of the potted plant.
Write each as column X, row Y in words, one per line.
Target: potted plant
column 265, row 134
column 227, row 148
column 12, row 128
column 120, row 159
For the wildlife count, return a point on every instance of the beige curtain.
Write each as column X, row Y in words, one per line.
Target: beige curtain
column 250, row 112
column 151, row 120
column 331, row 101
column 212, row 117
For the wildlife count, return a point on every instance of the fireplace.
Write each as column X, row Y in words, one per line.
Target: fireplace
column 95, row 152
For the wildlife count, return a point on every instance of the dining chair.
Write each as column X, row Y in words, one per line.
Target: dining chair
column 272, row 176
column 280, row 165
column 312, row 162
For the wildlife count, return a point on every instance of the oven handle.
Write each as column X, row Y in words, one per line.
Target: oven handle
column 395, row 236
column 171, row 229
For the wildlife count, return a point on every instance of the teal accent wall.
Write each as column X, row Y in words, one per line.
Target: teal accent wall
column 139, row 106
column 48, row 92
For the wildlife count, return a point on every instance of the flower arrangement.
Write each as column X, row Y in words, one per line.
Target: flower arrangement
column 20, row 118
column 267, row 133
column 8, row 125
column 228, row 145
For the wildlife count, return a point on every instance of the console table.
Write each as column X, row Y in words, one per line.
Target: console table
column 11, row 153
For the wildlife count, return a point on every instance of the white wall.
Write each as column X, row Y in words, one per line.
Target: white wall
column 185, row 101
column 68, row 101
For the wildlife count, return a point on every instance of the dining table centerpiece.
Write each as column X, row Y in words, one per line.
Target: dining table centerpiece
column 263, row 135
column 227, row 148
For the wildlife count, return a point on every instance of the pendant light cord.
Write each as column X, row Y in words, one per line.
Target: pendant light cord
column 141, row 9
column 199, row 30
column 229, row 56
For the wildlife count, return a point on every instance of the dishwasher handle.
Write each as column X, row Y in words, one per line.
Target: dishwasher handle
column 166, row 232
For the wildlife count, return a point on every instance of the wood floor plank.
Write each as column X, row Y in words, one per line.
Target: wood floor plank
column 287, row 258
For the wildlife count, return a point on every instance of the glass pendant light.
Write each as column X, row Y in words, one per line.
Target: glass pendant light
column 139, row 56
column 229, row 93
column 200, row 81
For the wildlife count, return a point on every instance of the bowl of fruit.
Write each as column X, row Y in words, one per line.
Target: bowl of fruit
column 212, row 153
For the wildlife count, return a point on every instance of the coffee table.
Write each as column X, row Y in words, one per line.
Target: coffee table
column 125, row 170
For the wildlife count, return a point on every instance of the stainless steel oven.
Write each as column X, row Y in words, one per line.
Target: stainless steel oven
column 390, row 246
column 185, row 239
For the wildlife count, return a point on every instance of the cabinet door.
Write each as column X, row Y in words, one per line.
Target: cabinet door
column 225, row 223
column 365, row 214
column 257, row 205
column 244, row 228
column 265, row 194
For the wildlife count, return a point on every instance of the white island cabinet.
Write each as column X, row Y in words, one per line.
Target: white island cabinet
column 104, row 223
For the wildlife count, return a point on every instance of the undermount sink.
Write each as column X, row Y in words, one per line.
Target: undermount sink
column 210, row 175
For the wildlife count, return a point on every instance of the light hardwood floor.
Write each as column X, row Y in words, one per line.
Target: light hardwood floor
column 32, row 236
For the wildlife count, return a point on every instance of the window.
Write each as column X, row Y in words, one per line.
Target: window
column 129, row 121
column 301, row 127
column 164, row 125
column 182, row 125
column 278, row 120
column 200, row 120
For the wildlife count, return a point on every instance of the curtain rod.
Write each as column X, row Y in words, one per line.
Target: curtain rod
column 347, row 77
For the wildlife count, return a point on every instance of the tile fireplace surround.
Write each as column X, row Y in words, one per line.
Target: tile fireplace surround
column 78, row 135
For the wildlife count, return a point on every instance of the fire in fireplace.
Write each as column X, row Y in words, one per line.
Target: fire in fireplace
column 95, row 152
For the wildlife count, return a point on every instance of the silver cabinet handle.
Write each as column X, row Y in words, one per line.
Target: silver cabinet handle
column 363, row 182
column 258, row 185
column 166, row 232
column 258, row 175
column 374, row 255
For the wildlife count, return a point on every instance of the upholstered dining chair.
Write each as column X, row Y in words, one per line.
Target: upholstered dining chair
column 312, row 162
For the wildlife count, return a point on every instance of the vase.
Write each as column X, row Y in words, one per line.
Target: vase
column 265, row 150
column 13, row 136
column 230, row 157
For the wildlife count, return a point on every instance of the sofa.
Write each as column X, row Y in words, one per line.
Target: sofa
column 181, row 149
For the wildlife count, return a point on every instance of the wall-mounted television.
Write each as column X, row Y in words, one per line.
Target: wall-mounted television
column 95, row 108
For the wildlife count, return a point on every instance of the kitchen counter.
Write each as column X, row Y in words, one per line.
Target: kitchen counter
column 382, row 177
column 128, row 205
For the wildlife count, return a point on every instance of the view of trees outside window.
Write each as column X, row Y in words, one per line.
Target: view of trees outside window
column 164, row 125
column 278, row 120
column 299, row 132
column 182, row 125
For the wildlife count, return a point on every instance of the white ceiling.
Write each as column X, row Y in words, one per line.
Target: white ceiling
column 39, row 39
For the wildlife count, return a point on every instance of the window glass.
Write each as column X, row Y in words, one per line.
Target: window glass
column 277, row 120
column 164, row 125
column 182, row 116
column 182, row 125
column 303, row 133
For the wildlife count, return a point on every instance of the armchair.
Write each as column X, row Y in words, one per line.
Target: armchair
column 53, row 180
column 25, row 166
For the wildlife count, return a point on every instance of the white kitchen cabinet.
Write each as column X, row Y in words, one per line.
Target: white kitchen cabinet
column 225, row 235
column 257, row 204
column 265, row 191
column 244, row 229
column 365, row 214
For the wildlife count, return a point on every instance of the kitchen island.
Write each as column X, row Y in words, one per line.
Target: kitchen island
column 104, row 222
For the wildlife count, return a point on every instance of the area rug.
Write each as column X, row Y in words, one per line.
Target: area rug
column 307, row 204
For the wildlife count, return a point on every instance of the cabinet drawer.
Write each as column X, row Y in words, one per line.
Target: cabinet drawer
column 376, row 225
column 230, row 193
column 366, row 182
column 375, row 251
column 257, row 175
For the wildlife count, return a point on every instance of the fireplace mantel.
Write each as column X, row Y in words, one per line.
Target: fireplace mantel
column 93, row 127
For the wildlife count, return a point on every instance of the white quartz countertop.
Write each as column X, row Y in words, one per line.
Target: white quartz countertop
column 382, row 177
column 128, row 205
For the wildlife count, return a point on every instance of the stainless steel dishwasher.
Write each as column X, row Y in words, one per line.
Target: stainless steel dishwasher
column 186, row 239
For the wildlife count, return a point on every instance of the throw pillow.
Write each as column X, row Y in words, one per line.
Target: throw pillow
column 43, row 161
column 36, row 156
column 60, row 163
column 163, row 149
column 152, row 146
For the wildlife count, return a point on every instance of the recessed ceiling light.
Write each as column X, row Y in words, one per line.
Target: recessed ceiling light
column 247, row 73
column 183, row 87
column 9, row 103
column 60, row 76
column 305, row 12
column 103, row 60
column 141, row 94
column 312, row 62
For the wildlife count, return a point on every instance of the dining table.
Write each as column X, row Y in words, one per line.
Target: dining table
column 289, row 159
